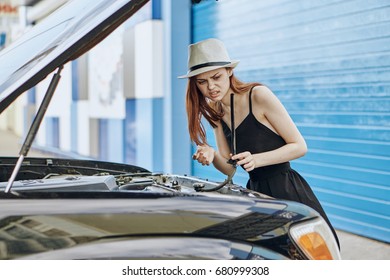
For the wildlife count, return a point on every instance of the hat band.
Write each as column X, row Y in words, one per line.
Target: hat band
column 216, row 63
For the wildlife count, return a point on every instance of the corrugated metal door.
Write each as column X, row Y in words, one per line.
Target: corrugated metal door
column 329, row 63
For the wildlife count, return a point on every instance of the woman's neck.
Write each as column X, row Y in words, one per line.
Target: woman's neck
column 226, row 100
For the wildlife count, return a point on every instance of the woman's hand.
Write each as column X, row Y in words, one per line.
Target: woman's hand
column 246, row 160
column 204, row 155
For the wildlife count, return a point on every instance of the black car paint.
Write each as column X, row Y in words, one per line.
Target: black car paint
column 162, row 208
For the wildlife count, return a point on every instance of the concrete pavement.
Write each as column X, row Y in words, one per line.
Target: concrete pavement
column 353, row 247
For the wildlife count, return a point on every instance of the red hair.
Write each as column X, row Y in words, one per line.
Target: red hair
column 198, row 106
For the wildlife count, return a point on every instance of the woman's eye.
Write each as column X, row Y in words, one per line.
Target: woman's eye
column 201, row 82
column 217, row 77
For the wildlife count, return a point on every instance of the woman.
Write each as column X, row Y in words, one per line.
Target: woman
column 266, row 137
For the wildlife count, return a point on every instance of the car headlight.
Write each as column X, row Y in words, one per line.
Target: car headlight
column 315, row 239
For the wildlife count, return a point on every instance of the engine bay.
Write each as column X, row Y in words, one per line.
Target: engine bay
column 60, row 175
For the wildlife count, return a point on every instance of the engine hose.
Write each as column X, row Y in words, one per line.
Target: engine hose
column 228, row 179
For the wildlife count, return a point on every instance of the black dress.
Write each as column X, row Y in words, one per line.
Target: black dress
column 278, row 180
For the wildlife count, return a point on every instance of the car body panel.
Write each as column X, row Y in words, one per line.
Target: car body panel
column 63, row 204
column 64, row 223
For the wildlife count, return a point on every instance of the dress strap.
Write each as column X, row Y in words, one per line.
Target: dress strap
column 250, row 100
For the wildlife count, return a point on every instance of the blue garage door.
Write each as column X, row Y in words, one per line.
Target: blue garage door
column 329, row 63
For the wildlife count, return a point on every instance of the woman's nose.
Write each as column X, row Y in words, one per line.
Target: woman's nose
column 211, row 85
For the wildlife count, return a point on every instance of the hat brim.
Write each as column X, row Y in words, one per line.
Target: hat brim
column 208, row 68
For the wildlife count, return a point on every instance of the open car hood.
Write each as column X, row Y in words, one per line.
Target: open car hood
column 63, row 36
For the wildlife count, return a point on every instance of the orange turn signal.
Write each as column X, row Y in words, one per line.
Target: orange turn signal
column 315, row 239
column 315, row 246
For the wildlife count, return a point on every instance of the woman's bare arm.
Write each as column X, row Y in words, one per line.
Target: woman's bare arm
column 270, row 111
column 207, row 155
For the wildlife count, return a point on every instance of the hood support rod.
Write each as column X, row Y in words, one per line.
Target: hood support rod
column 35, row 126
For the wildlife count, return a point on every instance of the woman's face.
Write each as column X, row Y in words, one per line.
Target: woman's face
column 214, row 84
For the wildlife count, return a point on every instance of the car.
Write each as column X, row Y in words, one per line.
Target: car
column 65, row 208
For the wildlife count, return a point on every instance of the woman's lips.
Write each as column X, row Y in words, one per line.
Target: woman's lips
column 214, row 94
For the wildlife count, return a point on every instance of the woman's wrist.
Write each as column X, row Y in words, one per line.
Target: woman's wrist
column 256, row 160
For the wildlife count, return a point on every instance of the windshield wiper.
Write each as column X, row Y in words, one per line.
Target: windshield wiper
column 34, row 127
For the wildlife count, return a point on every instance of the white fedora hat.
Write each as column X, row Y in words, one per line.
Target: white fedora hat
column 207, row 55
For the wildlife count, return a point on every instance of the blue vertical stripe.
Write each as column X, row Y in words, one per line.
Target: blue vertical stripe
column 158, row 132
column 147, row 131
column 144, row 132
column 2, row 39
column 31, row 95
column 103, row 139
column 53, row 132
column 177, row 28
column 115, row 140
column 130, row 146
column 74, row 127
column 156, row 9
column 75, row 80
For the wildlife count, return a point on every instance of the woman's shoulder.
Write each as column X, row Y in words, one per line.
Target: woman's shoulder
column 261, row 94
